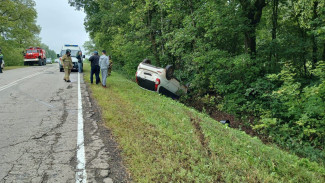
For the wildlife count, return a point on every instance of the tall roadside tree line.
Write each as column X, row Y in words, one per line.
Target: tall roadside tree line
column 18, row 29
column 50, row 54
column 251, row 58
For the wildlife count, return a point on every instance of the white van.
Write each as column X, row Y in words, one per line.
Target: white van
column 74, row 51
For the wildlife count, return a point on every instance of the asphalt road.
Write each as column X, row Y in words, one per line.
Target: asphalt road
column 39, row 130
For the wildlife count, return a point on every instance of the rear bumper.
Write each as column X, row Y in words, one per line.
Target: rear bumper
column 31, row 60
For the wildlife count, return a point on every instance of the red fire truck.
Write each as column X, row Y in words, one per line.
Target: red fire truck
column 35, row 55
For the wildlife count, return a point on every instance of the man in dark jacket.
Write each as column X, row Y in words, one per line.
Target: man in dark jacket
column 95, row 69
column 79, row 57
column 1, row 57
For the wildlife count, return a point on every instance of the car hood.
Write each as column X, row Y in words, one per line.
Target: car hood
column 74, row 59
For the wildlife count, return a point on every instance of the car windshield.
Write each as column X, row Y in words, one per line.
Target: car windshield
column 73, row 53
column 31, row 51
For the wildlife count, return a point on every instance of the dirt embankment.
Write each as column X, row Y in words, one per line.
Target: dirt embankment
column 236, row 123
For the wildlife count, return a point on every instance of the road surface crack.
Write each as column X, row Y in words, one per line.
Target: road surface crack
column 13, row 166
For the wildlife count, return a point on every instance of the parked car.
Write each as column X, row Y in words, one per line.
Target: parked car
column 3, row 64
column 49, row 61
column 159, row 79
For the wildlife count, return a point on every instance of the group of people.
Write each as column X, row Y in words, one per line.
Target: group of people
column 98, row 64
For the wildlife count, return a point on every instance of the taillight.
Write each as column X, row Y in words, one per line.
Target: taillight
column 136, row 79
column 157, row 83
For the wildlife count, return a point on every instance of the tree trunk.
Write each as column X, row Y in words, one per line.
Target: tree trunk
column 274, row 18
column 304, row 53
column 323, row 57
column 154, row 47
column 250, row 42
column 253, row 12
column 162, row 31
column 152, row 37
column 190, row 4
column 273, row 54
column 315, row 49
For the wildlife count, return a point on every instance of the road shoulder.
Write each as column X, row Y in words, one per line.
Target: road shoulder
column 104, row 163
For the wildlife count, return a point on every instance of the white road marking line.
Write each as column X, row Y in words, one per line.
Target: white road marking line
column 81, row 175
column 16, row 82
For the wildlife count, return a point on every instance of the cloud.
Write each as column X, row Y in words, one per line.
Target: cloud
column 61, row 24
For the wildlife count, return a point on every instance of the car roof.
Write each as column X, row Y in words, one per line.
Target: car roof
column 71, row 47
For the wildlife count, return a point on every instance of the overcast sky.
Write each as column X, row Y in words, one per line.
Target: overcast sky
column 61, row 24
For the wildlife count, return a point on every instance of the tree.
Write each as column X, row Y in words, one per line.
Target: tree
column 252, row 10
column 49, row 53
column 18, row 28
column 89, row 47
column 245, row 57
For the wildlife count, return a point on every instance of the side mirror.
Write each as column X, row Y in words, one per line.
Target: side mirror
column 58, row 55
column 83, row 56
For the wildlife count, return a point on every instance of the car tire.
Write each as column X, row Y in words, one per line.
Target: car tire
column 169, row 72
column 61, row 69
column 26, row 63
column 40, row 63
column 146, row 61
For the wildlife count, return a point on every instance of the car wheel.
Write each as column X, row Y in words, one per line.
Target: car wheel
column 146, row 61
column 169, row 72
column 61, row 69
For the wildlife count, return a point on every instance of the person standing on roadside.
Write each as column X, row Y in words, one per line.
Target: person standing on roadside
column 79, row 57
column 109, row 71
column 95, row 69
column 103, row 64
column 67, row 65
column 1, row 58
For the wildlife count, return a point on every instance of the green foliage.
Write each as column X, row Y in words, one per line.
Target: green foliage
column 12, row 55
column 18, row 29
column 251, row 58
column 297, row 117
column 161, row 140
column 49, row 53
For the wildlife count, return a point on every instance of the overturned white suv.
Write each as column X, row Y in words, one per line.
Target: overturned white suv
column 159, row 79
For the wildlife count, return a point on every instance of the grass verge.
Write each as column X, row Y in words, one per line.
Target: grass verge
column 164, row 141
column 6, row 68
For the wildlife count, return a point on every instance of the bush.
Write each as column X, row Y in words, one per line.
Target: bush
column 12, row 55
column 296, row 117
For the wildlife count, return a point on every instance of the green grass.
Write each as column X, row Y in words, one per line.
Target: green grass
column 164, row 141
column 13, row 67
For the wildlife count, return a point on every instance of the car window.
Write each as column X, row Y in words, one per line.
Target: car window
column 73, row 52
column 31, row 51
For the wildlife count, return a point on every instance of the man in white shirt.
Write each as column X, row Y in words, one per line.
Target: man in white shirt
column 103, row 64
